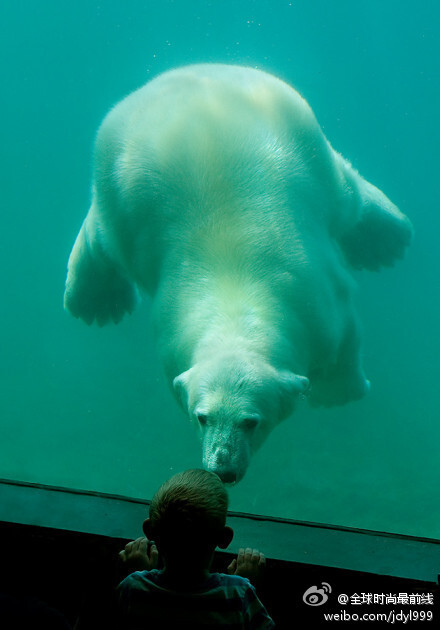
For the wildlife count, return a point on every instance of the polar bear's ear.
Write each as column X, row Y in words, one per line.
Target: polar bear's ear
column 180, row 386
column 293, row 383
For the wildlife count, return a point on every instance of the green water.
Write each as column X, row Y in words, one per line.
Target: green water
column 89, row 408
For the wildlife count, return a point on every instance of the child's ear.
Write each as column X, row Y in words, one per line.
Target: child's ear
column 225, row 537
column 148, row 530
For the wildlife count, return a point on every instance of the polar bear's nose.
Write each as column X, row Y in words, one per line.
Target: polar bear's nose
column 226, row 473
column 227, row 476
column 224, row 454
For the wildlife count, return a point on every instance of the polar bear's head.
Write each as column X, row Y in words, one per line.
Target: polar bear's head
column 235, row 401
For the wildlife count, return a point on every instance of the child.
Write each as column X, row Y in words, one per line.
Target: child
column 187, row 522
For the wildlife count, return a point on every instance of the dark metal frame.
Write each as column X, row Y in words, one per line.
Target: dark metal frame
column 378, row 553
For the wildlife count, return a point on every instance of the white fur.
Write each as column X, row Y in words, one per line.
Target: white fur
column 216, row 191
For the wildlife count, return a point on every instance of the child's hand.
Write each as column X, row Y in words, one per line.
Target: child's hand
column 249, row 563
column 140, row 554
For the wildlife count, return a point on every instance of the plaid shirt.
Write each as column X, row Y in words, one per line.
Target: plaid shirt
column 224, row 601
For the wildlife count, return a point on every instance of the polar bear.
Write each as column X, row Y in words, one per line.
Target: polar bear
column 216, row 192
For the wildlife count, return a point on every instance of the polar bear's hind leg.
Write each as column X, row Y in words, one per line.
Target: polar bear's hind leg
column 345, row 380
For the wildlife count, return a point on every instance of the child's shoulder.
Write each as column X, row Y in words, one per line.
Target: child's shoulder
column 141, row 579
column 155, row 580
column 229, row 581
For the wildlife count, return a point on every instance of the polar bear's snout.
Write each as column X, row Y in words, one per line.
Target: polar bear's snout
column 226, row 453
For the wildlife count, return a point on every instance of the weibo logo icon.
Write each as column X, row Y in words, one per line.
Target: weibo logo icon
column 315, row 596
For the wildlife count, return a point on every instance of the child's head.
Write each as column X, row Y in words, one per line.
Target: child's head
column 188, row 515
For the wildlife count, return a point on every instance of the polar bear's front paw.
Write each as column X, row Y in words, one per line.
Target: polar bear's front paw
column 377, row 240
column 95, row 289
column 92, row 299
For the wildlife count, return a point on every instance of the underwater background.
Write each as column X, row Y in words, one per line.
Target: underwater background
column 89, row 408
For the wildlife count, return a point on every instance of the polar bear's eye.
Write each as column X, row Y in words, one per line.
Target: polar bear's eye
column 250, row 423
column 202, row 419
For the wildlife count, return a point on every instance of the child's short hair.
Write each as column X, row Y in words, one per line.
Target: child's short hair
column 190, row 506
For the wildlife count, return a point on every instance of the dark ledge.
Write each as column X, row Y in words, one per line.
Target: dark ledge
column 121, row 517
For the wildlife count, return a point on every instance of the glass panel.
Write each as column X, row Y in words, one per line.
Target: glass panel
column 88, row 407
